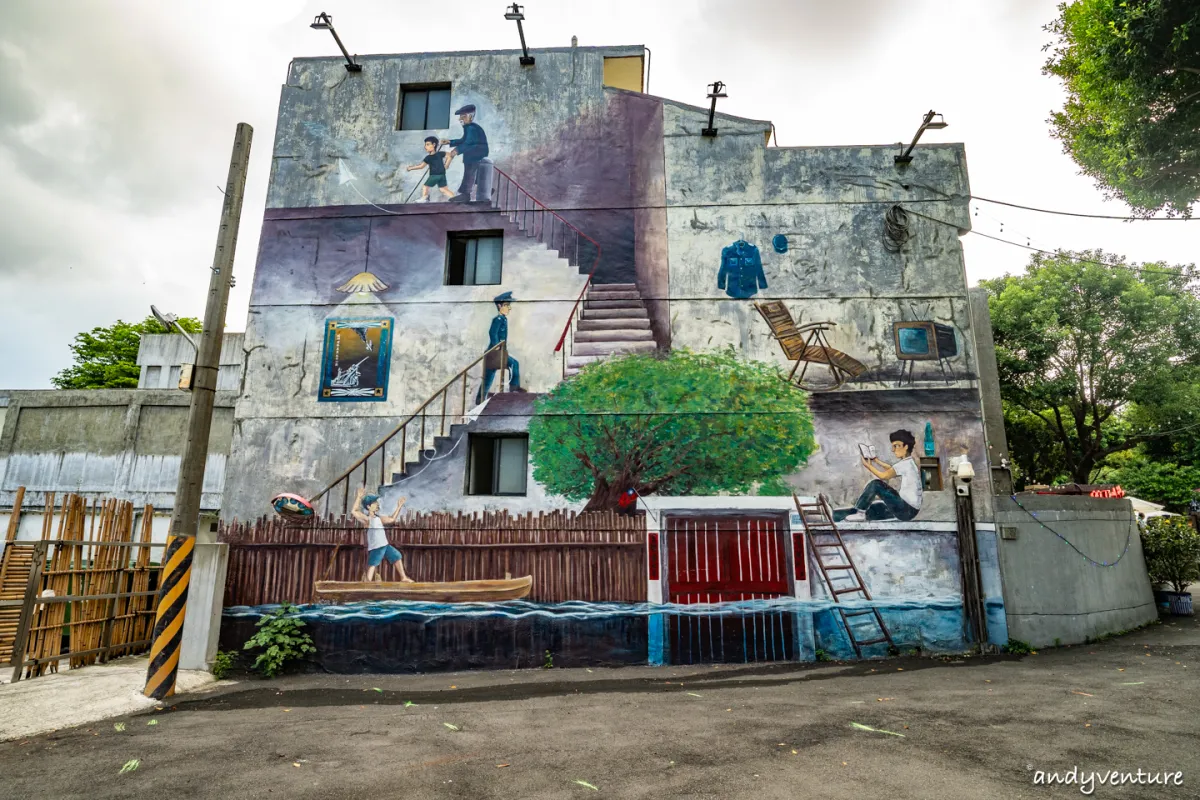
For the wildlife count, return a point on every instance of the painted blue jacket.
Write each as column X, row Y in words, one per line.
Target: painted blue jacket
column 498, row 332
column 741, row 274
column 473, row 146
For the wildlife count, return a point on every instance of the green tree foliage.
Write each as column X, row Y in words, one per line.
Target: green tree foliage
column 1037, row 456
column 1131, row 69
column 106, row 358
column 684, row 423
column 1097, row 352
column 1162, row 482
column 1172, row 550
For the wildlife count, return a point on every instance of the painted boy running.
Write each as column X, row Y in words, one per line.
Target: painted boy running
column 437, row 163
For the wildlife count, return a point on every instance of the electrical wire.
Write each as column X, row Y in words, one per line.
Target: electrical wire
column 1083, row 215
column 895, row 229
column 1090, row 560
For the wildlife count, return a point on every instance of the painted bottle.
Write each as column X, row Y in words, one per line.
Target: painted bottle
column 929, row 440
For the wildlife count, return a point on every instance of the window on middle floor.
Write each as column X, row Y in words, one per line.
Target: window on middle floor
column 473, row 258
column 424, row 107
column 497, row 465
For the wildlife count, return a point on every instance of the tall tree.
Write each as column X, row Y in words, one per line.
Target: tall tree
column 1096, row 349
column 1132, row 116
column 685, row 423
column 106, row 358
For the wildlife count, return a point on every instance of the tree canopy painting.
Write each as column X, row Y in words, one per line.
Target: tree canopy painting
column 680, row 424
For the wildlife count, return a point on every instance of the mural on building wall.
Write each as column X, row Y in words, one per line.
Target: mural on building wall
column 615, row 417
column 356, row 360
column 741, row 274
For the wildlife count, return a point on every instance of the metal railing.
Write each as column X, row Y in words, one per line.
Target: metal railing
column 430, row 418
column 532, row 216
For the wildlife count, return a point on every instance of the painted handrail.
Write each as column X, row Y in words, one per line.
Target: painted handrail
column 542, row 207
column 401, row 429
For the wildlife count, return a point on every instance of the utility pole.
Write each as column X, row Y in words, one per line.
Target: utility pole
column 177, row 561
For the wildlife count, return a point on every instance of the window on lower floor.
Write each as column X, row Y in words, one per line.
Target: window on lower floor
column 424, row 107
column 473, row 258
column 497, row 465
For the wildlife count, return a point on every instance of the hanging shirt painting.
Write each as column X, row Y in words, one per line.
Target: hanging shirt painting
column 741, row 274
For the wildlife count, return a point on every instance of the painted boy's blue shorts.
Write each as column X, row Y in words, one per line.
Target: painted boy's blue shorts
column 375, row 557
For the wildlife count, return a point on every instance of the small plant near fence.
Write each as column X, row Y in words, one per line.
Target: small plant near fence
column 281, row 640
column 222, row 664
column 1172, row 550
column 1016, row 647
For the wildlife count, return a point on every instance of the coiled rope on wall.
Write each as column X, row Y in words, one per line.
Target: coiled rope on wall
column 895, row 229
column 1089, row 559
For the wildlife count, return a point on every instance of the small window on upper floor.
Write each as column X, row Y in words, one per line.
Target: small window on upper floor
column 424, row 107
column 473, row 258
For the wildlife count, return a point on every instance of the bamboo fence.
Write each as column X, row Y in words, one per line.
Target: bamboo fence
column 91, row 556
column 597, row 556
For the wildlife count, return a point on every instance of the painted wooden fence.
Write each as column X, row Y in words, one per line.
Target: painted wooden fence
column 597, row 557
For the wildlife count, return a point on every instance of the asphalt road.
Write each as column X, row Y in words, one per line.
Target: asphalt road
column 969, row 728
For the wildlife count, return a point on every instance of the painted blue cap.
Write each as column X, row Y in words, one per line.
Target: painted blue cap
column 507, row 297
column 468, row 109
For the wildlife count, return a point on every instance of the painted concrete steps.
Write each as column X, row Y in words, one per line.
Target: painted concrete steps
column 591, row 324
column 590, row 303
column 615, row 335
column 590, row 313
column 611, row 348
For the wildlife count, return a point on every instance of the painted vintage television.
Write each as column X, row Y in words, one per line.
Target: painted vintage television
column 924, row 341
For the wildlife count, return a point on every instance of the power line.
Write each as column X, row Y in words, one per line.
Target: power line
column 1083, row 215
column 1058, row 254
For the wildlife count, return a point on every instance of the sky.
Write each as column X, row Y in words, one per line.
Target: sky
column 117, row 120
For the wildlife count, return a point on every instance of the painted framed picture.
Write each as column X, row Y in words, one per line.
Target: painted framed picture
column 357, row 356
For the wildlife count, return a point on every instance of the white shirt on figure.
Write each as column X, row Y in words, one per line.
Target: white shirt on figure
column 910, row 490
column 376, row 537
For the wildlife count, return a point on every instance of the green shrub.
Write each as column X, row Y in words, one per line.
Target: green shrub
column 1017, row 648
column 1172, row 549
column 222, row 664
column 281, row 641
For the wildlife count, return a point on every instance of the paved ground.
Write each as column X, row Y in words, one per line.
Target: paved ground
column 73, row 697
column 970, row 728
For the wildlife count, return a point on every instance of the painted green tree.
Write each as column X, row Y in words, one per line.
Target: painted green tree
column 1097, row 355
column 1132, row 116
column 678, row 424
column 106, row 358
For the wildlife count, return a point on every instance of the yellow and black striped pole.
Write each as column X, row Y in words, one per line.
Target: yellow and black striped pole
column 168, row 617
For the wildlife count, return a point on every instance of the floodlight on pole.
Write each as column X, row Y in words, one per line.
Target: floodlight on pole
column 170, row 321
column 718, row 91
column 324, row 22
column 514, row 15
column 933, row 121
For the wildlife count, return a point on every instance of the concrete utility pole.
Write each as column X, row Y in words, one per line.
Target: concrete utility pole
column 177, row 561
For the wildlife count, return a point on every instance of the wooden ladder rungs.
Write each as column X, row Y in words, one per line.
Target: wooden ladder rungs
column 847, row 591
column 838, row 566
column 858, row 613
column 872, row 641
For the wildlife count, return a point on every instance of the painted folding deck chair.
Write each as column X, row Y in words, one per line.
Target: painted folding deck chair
column 808, row 345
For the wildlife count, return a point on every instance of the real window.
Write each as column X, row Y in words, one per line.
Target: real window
column 497, row 465
column 473, row 258
column 153, row 378
column 931, row 474
column 424, row 107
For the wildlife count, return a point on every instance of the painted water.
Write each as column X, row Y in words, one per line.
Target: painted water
column 777, row 629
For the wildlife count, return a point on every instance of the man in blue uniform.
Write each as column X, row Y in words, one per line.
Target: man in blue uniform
column 473, row 147
column 496, row 334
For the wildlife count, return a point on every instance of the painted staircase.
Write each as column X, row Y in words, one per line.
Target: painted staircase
column 613, row 321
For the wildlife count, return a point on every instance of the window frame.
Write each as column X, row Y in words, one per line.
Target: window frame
column 463, row 236
column 495, row 438
column 406, row 88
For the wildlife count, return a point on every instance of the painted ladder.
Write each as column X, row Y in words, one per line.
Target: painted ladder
column 826, row 542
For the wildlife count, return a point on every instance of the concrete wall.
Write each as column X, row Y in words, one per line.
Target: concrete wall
column 161, row 356
column 122, row 443
column 1052, row 592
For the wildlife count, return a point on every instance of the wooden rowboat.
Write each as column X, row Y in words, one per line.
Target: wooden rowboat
column 434, row 592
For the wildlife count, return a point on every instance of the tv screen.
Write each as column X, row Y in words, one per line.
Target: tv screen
column 913, row 341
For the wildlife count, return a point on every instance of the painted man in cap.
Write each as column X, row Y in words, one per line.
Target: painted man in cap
column 496, row 334
column 473, row 147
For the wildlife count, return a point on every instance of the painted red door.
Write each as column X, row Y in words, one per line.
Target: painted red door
column 725, row 560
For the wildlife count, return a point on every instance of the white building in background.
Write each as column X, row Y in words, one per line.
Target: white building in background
column 162, row 356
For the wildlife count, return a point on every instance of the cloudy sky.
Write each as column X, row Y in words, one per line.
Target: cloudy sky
column 117, row 118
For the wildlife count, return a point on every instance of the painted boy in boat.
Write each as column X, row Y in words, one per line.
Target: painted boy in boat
column 366, row 509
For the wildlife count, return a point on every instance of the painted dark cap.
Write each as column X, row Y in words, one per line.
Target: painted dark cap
column 503, row 298
column 465, row 110
column 431, row 140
